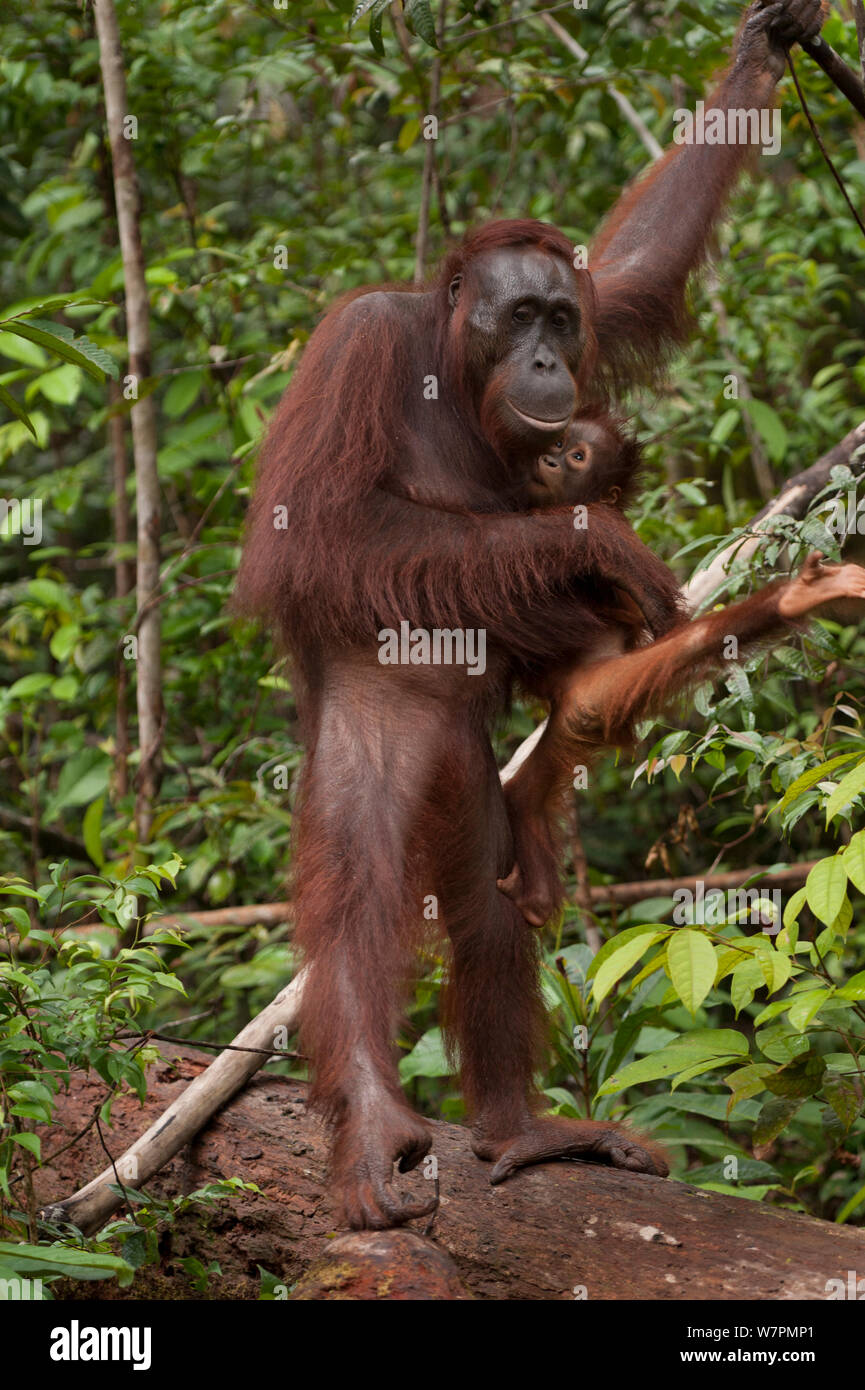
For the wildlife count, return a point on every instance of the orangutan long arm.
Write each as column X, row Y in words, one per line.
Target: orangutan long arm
column 659, row 230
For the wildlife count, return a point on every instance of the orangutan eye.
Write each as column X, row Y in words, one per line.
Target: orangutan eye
column 578, row 456
column 560, row 321
column 559, row 444
column 523, row 313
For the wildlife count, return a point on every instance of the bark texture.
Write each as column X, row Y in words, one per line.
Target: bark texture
column 545, row 1233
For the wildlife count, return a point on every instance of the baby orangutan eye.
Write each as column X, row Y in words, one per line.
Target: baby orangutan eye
column 578, row 456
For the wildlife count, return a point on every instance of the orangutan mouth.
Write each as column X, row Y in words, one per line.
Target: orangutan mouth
column 551, row 425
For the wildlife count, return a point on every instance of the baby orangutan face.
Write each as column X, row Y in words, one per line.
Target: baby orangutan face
column 579, row 468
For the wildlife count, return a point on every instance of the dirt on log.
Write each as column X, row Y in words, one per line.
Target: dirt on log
column 557, row 1231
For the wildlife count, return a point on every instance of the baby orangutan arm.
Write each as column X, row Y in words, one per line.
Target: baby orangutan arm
column 597, row 706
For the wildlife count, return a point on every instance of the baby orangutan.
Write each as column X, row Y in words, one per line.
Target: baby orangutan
column 598, row 462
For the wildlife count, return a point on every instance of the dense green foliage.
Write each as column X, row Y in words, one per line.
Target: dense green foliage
column 280, row 157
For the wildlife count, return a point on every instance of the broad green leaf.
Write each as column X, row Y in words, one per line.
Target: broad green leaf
column 621, row 939
column 775, row 1115
column 806, row 1006
column 64, row 640
column 686, row 1051
column 427, row 1058
column 182, row 392
column 801, row 1077
column 28, row 686
column 826, row 888
column 63, row 1259
column 854, row 987
column 619, row 963
column 420, row 19
column 812, row 777
column 747, row 977
column 794, row 907
column 29, row 1141
column 842, row 1096
column 770, row 426
column 92, row 831
column 699, row 1067
column 62, row 386
column 853, row 860
column 747, row 1081
column 56, row 338
column 691, row 966
column 846, row 791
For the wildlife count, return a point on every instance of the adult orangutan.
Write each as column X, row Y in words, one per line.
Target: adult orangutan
column 386, row 493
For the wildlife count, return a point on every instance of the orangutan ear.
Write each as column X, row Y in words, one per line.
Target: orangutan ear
column 613, row 495
column 454, row 291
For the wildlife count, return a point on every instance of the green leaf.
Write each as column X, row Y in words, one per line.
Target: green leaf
column 712, row 1065
column 691, row 965
column 724, row 426
column 29, row 686
column 853, row 860
column 56, row 338
column 747, row 977
column 686, row 1051
column 182, row 392
column 62, row 1259
column 794, row 907
column 15, row 409
column 747, row 1081
column 806, row 1006
column 801, row 1077
column 769, row 426
column 419, row 17
column 29, row 1141
column 846, row 791
column 617, row 942
column 92, row 831
column 774, row 1116
column 619, row 963
column 64, row 640
column 427, row 1058
column 854, row 987
column 853, row 1205
column 61, row 386
column 812, row 777
column 826, row 889
column 842, row 1096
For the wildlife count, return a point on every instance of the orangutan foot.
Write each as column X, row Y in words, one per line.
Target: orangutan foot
column 365, row 1150
column 592, row 1141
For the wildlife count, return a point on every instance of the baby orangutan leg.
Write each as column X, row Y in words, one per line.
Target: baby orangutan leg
column 599, row 703
column 532, row 797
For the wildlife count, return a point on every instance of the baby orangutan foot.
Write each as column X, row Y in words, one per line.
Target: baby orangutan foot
column 592, row 1141
column 534, row 882
column 536, row 901
column 817, row 584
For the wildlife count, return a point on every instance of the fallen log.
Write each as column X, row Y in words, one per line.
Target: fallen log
column 551, row 1232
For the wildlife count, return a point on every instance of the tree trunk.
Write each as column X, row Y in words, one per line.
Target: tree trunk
column 148, row 501
column 547, row 1233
